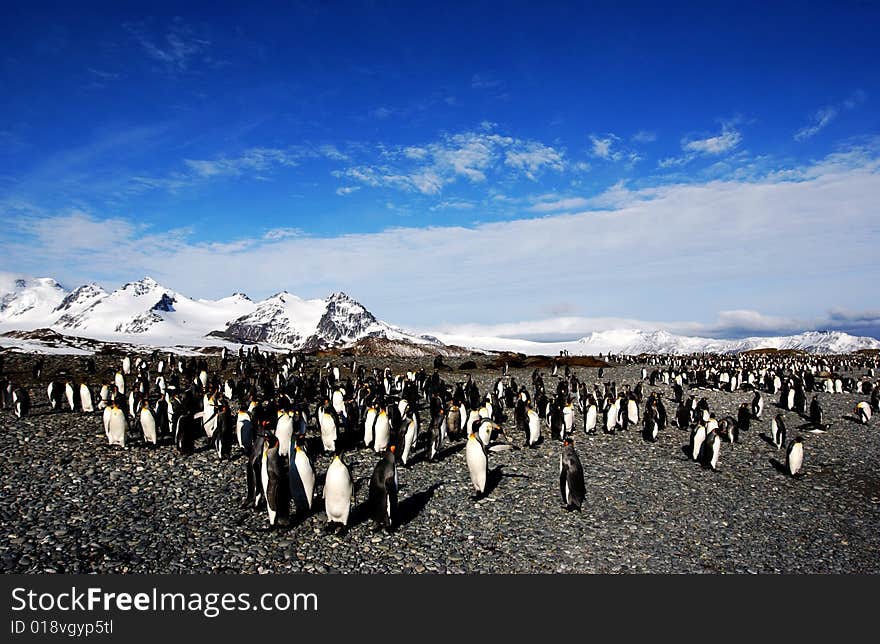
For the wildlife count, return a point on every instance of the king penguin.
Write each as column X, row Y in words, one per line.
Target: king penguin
column 147, row 421
column 338, row 492
column 302, row 477
column 21, row 402
column 863, row 412
column 477, row 463
column 571, row 476
column 794, row 456
column 117, row 426
column 777, row 431
column 275, row 486
column 383, row 492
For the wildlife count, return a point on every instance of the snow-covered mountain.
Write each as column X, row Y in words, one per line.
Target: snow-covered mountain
column 145, row 312
column 636, row 341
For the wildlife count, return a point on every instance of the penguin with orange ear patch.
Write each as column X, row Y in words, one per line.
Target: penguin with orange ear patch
column 383, row 491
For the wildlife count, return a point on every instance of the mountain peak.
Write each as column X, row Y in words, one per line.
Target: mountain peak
column 143, row 286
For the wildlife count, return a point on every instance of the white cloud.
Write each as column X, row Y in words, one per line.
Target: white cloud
column 483, row 81
column 177, row 48
column 255, row 161
column 470, row 156
column 347, row 190
column 644, row 136
column 822, row 117
column 602, row 147
column 719, row 144
column 735, row 245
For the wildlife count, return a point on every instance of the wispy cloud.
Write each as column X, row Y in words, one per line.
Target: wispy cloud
column 470, row 156
column 255, row 161
column 484, row 81
column 176, row 47
column 822, row 117
column 722, row 143
column 644, row 136
column 610, row 148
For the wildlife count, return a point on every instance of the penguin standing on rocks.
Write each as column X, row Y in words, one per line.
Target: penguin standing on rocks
column 571, row 477
column 85, row 399
column 21, row 402
column 224, row 431
column 711, row 451
column 777, row 431
column 533, row 439
column 863, row 412
column 302, row 477
column 55, row 390
column 477, row 463
column 794, row 456
column 698, row 437
column 338, row 492
column 147, row 421
column 72, row 395
column 435, row 437
column 275, row 486
column 757, row 405
column 117, row 426
column 743, row 418
column 383, row 492
column 816, row 415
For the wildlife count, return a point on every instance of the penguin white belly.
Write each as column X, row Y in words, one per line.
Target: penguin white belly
column 592, row 415
column 611, row 418
column 632, row 411
column 472, row 418
column 790, row 399
column 477, row 464
column 203, row 378
column 698, row 438
column 408, row 439
column 381, row 433
column 85, row 399
column 368, row 426
column 716, row 451
column 284, row 434
column 240, row 423
column 567, row 419
column 795, row 458
column 264, row 481
column 338, row 403
column 68, row 391
column 209, row 417
column 148, row 425
column 774, row 432
column 119, row 381
column 534, row 427
column 117, row 427
column 328, row 432
column 337, row 492
column 108, row 411
column 306, row 475
column 711, row 425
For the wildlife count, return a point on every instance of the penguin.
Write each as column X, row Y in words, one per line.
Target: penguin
column 477, row 463
column 21, row 402
column 743, row 418
column 698, row 437
column 571, row 476
column 147, row 421
column 85, row 399
column 72, row 395
column 863, row 412
column 284, row 432
column 369, row 424
column 711, row 450
column 253, row 469
column 329, row 427
column 224, row 431
column 119, row 381
column 816, row 413
column 453, row 421
column 381, row 431
column 794, row 456
column 275, row 486
column 590, row 419
column 438, row 423
column 243, row 429
column 567, row 418
column 383, row 492
column 55, row 391
column 757, row 405
column 117, row 426
column 338, row 492
column 302, row 478
column 534, row 424
column 777, row 431
column 410, row 428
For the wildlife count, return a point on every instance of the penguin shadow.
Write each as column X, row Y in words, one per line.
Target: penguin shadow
column 764, row 437
column 852, row 419
column 446, row 452
column 686, row 450
column 493, row 478
column 779, row 466
column 412, row 506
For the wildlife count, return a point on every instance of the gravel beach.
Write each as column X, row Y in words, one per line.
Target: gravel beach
column 72, row 504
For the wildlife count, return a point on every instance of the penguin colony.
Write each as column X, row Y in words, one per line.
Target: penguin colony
column 279, row 411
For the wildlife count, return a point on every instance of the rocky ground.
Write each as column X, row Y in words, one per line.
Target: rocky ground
column 72, row 504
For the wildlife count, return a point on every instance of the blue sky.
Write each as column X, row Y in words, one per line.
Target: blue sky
column 648, row 164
